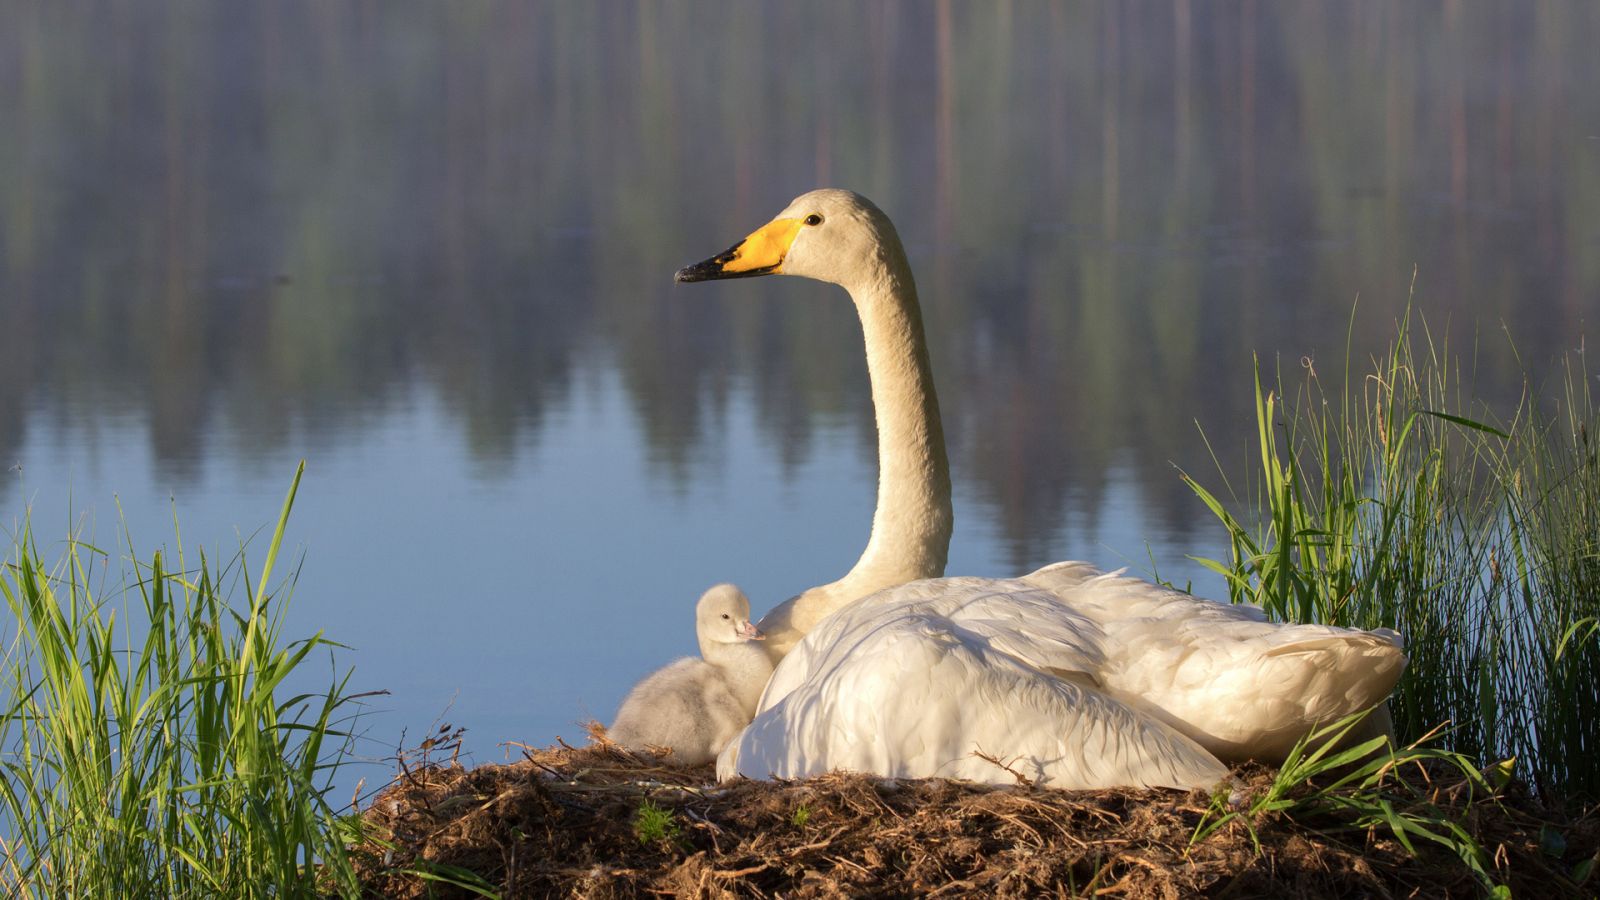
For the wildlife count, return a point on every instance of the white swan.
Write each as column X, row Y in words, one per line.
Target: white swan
column 696, row 706
column 1074, row 677
column 975, row 678
column 912, row 523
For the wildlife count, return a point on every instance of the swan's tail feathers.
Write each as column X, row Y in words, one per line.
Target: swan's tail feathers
column 1337, row 677
column 1287, row 690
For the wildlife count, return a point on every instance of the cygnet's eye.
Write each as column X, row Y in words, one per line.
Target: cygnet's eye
column 813, row 219
column 724, row 615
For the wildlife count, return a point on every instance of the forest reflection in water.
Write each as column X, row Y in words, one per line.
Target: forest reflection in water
column 263, row 231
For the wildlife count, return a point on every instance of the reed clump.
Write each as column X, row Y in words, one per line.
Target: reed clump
column 1394, row 499
column 146, row 745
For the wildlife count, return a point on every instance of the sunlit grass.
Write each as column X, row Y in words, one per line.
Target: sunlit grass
column 1358, row 787
column 1394, row 500
column 146, row 746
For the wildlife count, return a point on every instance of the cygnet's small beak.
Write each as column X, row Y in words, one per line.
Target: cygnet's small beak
column 750, row 632
column 759, row 254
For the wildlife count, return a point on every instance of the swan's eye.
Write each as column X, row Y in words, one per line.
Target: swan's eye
column 813, row 219
column 724, row 615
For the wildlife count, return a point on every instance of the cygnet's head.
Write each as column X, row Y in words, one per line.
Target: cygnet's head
column 723, row 617
column 829, row 235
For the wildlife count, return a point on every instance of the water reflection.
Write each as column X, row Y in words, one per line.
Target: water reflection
column 259, row 231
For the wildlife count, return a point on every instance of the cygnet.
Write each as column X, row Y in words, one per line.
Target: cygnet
column 696, row 706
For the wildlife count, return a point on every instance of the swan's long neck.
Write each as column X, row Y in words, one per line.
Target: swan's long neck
column 911, row 527
column 912, row 524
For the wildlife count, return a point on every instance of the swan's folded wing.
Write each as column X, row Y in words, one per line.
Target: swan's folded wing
column 1008, row 615
column 837, row 634
column 921, row 695
column 1242, row 686
column 1063, row 575
column 1109, row 597
column 1032, row 627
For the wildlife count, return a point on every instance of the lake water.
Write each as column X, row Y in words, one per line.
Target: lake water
column 428, row 248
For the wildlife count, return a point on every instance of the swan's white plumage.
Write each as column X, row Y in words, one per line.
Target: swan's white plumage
column 1243, row 687
column 1077, row 677
column 696, row 706
column 919, row 680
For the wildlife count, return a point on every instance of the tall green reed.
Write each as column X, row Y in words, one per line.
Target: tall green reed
column 1394, row 500
column 145, row 747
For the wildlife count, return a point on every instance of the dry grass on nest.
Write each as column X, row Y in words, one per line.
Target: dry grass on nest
column 565, row 821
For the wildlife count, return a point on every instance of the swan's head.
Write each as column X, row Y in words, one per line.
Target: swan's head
column 723, row 617
column 829, row 235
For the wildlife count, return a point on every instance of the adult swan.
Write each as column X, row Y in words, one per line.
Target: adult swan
column 1068, row 676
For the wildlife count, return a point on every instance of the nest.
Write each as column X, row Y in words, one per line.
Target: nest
column 600, row 821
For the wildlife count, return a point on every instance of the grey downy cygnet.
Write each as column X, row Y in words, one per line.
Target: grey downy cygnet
column 696, row 706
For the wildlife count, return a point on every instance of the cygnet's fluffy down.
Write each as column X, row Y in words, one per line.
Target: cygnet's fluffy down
column 696, row 706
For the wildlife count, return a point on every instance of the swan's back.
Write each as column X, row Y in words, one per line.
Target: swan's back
column 1076, row 678
column 920, row 680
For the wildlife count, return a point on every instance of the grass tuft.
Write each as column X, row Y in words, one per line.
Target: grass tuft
column 147, row 747
column 653, row 824
column 1358, row 788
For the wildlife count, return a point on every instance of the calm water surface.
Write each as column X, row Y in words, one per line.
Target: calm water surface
column 428, row 248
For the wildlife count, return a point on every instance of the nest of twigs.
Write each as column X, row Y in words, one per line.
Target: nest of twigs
column 600, row 821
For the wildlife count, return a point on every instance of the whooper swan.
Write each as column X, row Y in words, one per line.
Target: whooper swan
column 1076, row 677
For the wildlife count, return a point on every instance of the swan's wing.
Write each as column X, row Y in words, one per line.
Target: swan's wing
column 1063, row 575
column 1012, row 617
column 1028, row 625
column 1240, row 685
column 1111, row 596
column 921, row 694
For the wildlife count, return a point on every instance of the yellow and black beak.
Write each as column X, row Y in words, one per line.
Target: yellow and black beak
column 761, row 253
